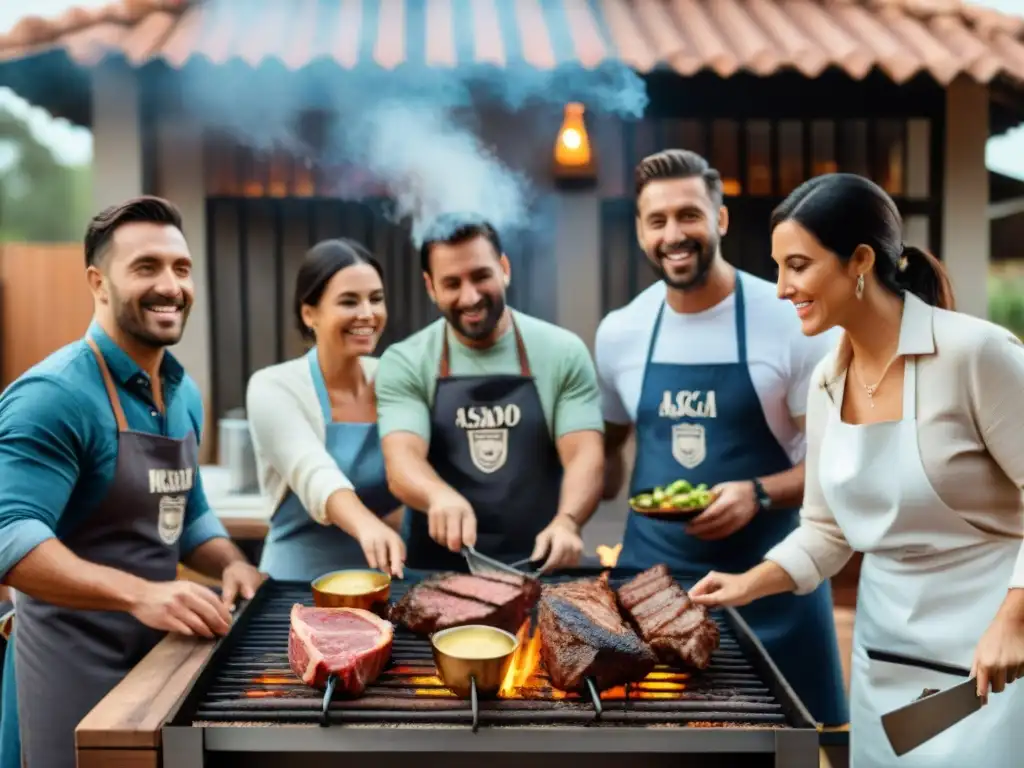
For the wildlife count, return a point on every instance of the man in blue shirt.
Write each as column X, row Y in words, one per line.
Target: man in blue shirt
column 101, row 495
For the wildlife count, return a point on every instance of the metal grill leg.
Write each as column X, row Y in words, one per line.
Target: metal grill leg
column 796, row 749
column 182, row 747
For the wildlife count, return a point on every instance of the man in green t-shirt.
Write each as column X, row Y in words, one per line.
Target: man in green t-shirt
column 490, row 419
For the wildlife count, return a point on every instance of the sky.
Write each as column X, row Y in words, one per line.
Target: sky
column 1005, row 154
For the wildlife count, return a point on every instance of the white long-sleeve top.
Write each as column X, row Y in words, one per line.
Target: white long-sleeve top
column 970, row 431
column 289, row 434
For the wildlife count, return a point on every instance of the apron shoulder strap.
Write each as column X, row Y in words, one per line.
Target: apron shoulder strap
column 108, row 382
column 444, row 370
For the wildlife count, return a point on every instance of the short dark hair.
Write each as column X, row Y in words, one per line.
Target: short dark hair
column 844, row 211
column 677, row 164
column 322, row 262
column 146, row 209
column 456, row 228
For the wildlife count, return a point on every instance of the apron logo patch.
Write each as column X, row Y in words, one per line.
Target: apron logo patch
column 691, row 404
column 689, row 446
column 488, row 448
column 171, row 518
column 486, row 428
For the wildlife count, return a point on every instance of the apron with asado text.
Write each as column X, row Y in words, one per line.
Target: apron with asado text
column 489, row 441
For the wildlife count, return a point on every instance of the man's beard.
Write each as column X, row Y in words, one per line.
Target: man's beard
column 704, row 257
column 493, row 307
column 130, row 317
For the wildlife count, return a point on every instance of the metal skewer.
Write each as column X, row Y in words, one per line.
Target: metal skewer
column 325, row 719
column 595, row 698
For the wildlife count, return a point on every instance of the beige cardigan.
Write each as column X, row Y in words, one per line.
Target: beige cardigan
column 970, row 428
column 289, row 432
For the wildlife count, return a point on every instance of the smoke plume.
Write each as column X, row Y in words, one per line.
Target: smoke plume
column 414, row 130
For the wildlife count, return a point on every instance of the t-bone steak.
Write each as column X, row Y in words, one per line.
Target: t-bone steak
column 679, row 631
column 583, row 635
column 351, row 643
column 453, row 599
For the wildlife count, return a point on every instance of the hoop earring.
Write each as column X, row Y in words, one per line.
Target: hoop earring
column 860, row 287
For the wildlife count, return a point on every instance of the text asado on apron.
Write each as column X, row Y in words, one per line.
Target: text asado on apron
column 298, row 548
column 930, row 585
column 67, row 660
column 704, row 423
column 489, row 441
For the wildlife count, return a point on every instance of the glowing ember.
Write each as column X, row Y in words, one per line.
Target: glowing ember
column 608, row 556
column 273, row 680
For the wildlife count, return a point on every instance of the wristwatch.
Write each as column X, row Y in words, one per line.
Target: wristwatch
column 764, row 501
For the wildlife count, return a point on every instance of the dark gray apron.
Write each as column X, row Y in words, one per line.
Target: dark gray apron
column 489, row 441
column 67, row 660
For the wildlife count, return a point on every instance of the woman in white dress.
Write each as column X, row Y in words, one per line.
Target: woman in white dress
column 915, row 457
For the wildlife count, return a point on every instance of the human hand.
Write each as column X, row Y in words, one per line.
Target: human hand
column 999, row 655
column 383, row 547
column 734, row 506
column 560, row 543
column 732, row 589
column 239, row 579
column 452, row 522
column 184, row 607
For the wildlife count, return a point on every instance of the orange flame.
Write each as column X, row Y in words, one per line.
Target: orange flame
column 608, row 556
column 524, row 663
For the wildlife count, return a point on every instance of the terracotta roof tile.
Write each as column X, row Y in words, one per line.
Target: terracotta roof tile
column 903, row 38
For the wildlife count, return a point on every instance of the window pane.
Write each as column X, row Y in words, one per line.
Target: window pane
column 853, row 147
column 919, row 159
column 725, row 146
column 759, row 157
column 687, row 134
column 791, row 156
column 887, row 163
column 823, row 147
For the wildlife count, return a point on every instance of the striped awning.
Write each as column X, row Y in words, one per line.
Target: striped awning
column 903, row 38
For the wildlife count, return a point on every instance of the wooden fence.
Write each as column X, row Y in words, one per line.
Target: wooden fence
column 44, row 303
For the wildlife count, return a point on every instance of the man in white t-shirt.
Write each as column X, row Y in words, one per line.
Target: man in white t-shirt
column 711, row 369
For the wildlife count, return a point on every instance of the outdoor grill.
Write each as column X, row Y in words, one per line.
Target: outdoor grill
column 246, row 707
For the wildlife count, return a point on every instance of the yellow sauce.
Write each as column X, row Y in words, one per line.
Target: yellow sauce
column 475, row 643
column 350, row 583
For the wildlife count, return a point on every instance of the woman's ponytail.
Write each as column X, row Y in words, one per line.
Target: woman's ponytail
column 923, row 275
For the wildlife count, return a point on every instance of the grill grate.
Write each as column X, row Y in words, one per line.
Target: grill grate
column 249, row 681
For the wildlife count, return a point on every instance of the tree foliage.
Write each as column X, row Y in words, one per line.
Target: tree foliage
column 41, row 200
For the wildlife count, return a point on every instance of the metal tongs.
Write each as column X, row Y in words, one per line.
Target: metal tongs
column 480, row 563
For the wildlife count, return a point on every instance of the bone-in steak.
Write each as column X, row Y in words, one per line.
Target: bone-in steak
column 679, row 631
column 584, row 636
column 453, row 599
column 351, row 643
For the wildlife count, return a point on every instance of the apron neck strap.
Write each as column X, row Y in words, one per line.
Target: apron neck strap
column 108, row 382
column 320, row 385
column 741, row 325
column 524, row 362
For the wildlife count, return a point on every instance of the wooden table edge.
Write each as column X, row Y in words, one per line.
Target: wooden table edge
column 133, row 713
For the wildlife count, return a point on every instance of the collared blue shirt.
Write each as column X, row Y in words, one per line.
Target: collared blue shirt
column 58, row 443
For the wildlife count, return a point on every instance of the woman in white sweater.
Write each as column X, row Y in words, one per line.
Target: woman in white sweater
column 314, row 426
column 915, row 458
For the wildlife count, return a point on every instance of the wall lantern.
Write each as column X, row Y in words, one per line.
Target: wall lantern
column 575, row 165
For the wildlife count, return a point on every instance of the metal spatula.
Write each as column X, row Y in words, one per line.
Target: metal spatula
column 480, row 564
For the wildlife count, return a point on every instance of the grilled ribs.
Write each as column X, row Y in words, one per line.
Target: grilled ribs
column 584, row 636
column 678, row 630
column 453, row 599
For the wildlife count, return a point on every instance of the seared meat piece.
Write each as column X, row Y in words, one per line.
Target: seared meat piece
column 679, row 631
column 453, row 599
column 351, row 643
column 583, row 635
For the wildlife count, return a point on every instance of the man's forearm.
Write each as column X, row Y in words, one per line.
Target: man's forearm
column 581, row 491
column 786, row 489
column 413, row 481
column 211, row 557
column 54, row 574
column 615, row 437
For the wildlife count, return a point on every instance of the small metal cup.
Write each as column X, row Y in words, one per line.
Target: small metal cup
column 375, row 599
column 462, row 676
